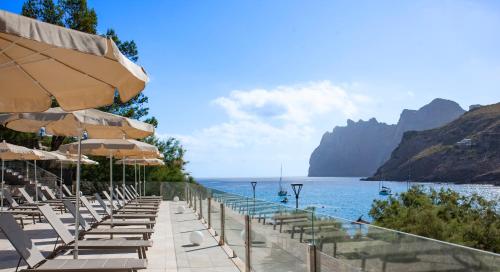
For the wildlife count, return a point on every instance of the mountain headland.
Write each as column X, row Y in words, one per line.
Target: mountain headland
column 360, row 148
column 466, row 150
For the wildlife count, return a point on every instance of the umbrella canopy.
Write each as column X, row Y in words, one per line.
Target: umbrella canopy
column 12, row 152
column 40, row 61
column 143, row 161
column 98, row 124
column 118, row 148
column 42, row 155
column 71, row 158
column 15, row 152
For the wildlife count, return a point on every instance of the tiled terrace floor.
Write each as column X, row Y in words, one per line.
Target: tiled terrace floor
column 171, row 250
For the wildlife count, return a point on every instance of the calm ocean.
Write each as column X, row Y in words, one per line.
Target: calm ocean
column 338, row 196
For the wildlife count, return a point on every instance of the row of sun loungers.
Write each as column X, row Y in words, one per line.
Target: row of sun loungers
column 118, row 216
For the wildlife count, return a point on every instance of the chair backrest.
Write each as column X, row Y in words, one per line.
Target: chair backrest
column 118, row 201
column 129, row 194
column 56, row 224
column 49, row 192
column 22, row 243
column 41, row 195
column 117, row 190
column 13, row 203
column 124, row 193
column 102, row 203
column 72, row 209
column 91, row 209
column 105, row 193
column 67, row 190
column 133, row 190
column 25, row 195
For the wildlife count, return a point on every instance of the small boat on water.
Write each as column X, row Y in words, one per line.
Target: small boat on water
column 383, row 190
column 282, row 192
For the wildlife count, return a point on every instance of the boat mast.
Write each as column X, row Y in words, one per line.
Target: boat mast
column 281, row 177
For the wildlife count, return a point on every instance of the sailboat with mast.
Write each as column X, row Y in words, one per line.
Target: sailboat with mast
column 282, row 192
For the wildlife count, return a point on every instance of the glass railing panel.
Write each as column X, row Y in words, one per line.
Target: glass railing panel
column 205, row 207
column 275, row 238
column 215, row 216
column 372, row 248
column 281, row 236
column 234, row 225
column 170, row 190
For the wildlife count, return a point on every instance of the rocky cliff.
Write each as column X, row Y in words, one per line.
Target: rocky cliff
column 359, row 148
column 465, row 150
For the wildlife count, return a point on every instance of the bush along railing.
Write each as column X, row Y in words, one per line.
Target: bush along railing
column 267, row 236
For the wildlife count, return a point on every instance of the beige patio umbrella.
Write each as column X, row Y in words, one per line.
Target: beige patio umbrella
column 95, row 123
column 98, row 124
column 118, row 148
column 13, row 152
column 67, row 158
column 80, row 70
column 142, row 161
column 41, row 155
column 148, row 160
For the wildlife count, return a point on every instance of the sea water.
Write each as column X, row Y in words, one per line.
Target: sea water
column 344, row 197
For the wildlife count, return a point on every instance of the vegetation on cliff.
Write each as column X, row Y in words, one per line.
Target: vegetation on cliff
column 466, row 150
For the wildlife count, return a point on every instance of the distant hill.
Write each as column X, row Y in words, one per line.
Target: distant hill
column 359, row 148
column 466, row 150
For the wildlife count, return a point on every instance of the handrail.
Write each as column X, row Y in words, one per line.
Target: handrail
column 27, row 170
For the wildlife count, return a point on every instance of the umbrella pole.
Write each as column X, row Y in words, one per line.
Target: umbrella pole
column 3, row 181
column 77, row 198
column 144, row 179
column 123, row 166
column 36, row 186
column 61, row 182
column 111, row 186
column 140, row 183
column 135, row 175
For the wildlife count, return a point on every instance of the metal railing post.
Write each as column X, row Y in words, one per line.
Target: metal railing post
column 313, row 263
column 222, row 239
column 194, row 204
column 200, row 213
column 190, row 199
column 161, row 190
column 209, row 209
column 248, row 243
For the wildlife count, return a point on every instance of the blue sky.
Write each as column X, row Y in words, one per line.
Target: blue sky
column 248, row 85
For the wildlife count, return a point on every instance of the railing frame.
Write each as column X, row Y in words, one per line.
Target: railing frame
column 222, row 239
column 313, row 263
column 209, row 209
column 248, row 243
column 200, row 212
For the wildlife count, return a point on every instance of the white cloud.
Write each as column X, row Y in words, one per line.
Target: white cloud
column 266, row 126
column 293, row 104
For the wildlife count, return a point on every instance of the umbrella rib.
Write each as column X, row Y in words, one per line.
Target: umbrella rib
column 10, row 45
column 28, row 74
column 9, row 63
column 63, row 63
